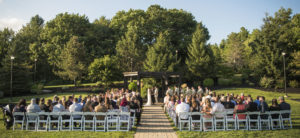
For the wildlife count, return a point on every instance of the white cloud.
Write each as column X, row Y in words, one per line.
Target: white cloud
column 12, row 23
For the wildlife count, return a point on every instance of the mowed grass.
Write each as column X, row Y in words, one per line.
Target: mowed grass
column 65, row 134
column 295, row 106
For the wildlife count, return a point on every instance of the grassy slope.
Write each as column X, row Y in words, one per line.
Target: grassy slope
column 26, row 134
column 295, row 132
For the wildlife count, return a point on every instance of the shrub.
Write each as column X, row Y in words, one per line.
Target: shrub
column 1, row 94
column 78, row 83
column 294, row 84
column 279, row 84
column 98, row 83
column 65, row 88
column 55, row 82
column 266, row 82
column 237, row 80
column 208, row 82
column 132, row 86
column 37, row 88
column 95, row 90
column 251, row 84
column 224, row 82
column 144, row 92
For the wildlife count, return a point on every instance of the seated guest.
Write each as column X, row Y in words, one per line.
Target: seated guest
column 135, row 106
column 33, row 107
column 37, row 101
column 284, row 106
column 21, row 106
column 274, row 106
column 171, row 105
column 58, row 107
column 240, row 108
column 88, row 107
column 257, row 101
column 251, row 106
column 42, row 105
column 49, row 106
column 114, row 102
column 100, row 108
column 124, row 107
column 75, row 107
column 218, row 108
column 229, row 104
column 69, row 102
column 263, row 106
column 207, row 108
column 182, row 107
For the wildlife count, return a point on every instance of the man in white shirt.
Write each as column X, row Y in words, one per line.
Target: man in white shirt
column 33, row 107
column 182, row 107
column 170, row 91
column 218, row 108
column 75, row 107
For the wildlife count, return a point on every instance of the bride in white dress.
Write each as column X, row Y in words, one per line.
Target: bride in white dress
column 149, row 102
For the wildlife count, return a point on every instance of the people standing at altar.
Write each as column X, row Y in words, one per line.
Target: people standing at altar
column 152, row 95
column 170, row 91
column 200, row 90
column 176, row 90
column 193, row 91
column 156, row 94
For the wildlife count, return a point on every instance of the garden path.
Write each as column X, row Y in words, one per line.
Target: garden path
column 154, row 124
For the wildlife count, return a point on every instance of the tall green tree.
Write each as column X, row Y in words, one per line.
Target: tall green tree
column 131, row 49
column 160, row 57
column 73, row 57
column 58, row 31
column 276, row 37
column 104, row 69
column 200, row 60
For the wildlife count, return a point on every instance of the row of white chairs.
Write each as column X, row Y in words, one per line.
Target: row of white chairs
column 226, row 121
column 74, row 121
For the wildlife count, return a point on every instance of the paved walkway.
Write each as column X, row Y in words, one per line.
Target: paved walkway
column 154, row 124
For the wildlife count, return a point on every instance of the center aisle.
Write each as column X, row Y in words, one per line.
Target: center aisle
column 154, row 124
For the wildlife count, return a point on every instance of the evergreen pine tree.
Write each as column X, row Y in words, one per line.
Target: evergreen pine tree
column 200, row 60
column 160, row 57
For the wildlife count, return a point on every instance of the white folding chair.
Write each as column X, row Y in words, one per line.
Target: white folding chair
column 230, row 121
column 184, row 118
column 265, row 121
column 275, row 120
column 42, row 121
column 124, row 121
column 88, row 121
column 196, row 124
column 173, row 116
column 112, row 121
column 132, row 117
column 100, row 121
column 76, row 119
column 205, row 121
column 219, row 121
column 242, row 121
column 286, row 120
column 54, row 118
column 253, row 120
column 19, row 118
column 31, row 119
column 65, row 121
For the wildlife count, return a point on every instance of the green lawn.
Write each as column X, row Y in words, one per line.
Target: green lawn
column 29, row 134
column 83, row 84
column 295, row 132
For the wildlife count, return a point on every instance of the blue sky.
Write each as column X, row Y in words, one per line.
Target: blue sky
column 221, row 17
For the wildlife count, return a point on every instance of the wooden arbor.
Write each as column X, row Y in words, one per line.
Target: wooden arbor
column 164, row 76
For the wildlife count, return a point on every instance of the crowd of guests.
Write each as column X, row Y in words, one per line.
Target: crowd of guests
column 209, row 103
column 122, row 100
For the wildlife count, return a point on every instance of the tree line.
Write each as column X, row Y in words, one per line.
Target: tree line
column 71, row 48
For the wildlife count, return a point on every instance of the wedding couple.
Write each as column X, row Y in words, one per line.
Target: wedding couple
column 152, row 96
